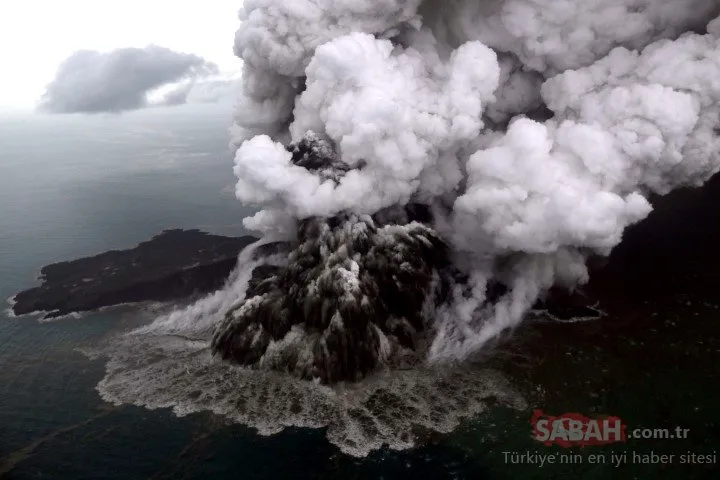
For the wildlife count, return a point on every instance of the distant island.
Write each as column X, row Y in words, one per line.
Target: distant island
column 176, row 264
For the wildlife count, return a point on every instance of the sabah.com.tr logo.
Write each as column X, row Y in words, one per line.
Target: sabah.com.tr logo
column 577, row 430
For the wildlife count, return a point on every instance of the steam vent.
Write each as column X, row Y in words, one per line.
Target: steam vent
column 356, row 290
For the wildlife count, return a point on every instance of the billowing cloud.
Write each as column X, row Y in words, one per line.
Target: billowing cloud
column 215, row 89
column 534, row 130
column 435, row 168
column 119, row 80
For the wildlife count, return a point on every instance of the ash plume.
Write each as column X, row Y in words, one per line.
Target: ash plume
column 533, row 132
column 428, row 170
column 352, row 295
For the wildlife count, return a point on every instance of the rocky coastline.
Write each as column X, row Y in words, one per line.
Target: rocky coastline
column 176, row 264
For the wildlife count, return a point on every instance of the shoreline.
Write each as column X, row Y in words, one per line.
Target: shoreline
column 172, row 265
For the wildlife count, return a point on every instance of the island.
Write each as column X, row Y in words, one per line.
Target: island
column 176, row 264
column 173, row 265
column 179, row 264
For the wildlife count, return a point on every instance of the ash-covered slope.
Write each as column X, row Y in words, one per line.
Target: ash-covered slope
column 357, row 290
column 172, row 265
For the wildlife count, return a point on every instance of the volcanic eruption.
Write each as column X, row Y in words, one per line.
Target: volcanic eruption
column 438, row 166
column 426, row 172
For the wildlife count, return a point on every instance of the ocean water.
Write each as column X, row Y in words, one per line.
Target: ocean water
column 77, row 186
column 74, row 186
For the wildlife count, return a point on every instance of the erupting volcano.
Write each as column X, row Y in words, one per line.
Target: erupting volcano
column 434, row 169
column 527, row 143
column 352, row 294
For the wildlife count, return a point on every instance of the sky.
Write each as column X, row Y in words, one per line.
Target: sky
column 37, row 35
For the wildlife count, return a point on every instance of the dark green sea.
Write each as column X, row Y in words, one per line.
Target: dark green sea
column 78, row 186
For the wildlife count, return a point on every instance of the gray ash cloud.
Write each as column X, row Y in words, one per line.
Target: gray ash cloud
column 535, row 135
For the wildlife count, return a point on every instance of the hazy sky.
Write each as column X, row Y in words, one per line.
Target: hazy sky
column 37, row 35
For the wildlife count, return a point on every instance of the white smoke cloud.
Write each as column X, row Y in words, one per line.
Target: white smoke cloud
column 551, row 36
column 534, row 130
column 417, row 97
column 396, row 124
column 93, row 82
column 282, row 37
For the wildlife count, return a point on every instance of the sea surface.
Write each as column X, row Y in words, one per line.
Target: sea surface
column 73, row 186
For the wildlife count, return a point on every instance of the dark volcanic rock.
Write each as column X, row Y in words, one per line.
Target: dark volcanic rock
column 271, row 248
column 563, row 305
column 261, row 277
column 351, row 295
column 174, row 264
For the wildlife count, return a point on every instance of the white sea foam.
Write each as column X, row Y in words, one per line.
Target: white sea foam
column 168, row 364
